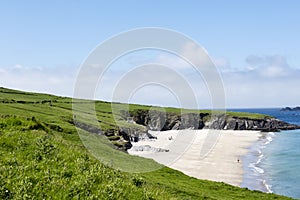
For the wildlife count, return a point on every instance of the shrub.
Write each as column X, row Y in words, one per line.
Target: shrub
column 45, row 148
column 138, row 181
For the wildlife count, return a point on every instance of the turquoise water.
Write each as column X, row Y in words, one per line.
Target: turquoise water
column 273, row 163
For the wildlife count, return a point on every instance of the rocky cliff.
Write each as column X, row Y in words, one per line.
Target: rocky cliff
column 156, row 120
column 160, row 121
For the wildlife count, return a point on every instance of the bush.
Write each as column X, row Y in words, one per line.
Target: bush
column 45, row 148
column 138, row 181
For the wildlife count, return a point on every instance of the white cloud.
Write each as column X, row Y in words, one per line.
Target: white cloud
column 2, row 71
column 18, row 66
column 269, row 66
column 274, row 71
column 265, row 81
column 196, row 55
column 254, row 60
column 58, row 80
column 222, row 63
column 151, row 84
column 191, row 54
column 173, row 61
column 179, row 74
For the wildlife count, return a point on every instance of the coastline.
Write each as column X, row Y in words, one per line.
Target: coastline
column 183, row 153
column 254, row 176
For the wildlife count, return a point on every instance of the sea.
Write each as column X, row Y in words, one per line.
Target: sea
column 273, row 163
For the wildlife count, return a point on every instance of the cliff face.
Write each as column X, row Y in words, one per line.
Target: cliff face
column 235, row 123
column 156, row 120
column 160, row 121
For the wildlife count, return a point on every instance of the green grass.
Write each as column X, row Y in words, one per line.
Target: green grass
column 35, row 164
column 133, row 107
column 43, row 157
column 247, row 115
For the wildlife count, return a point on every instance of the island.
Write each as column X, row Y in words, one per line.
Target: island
column 291, row 109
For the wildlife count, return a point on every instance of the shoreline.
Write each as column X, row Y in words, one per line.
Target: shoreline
column 181, row 150
column 254, row 176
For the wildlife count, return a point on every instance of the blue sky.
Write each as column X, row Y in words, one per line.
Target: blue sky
column 52, row 38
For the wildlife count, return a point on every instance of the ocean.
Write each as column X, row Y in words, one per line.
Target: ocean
column 273, row 163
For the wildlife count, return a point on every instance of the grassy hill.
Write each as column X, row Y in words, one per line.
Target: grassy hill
column 42, row 157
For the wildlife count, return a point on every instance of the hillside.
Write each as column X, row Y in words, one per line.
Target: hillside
column 42, row 155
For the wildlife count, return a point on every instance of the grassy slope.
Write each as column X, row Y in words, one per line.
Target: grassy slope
column 42, row 156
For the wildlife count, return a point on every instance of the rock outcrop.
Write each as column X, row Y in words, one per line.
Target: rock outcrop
column 290, row 109
column 120, row 138
column 161, row 121
column 156, row 120
column 148, row 148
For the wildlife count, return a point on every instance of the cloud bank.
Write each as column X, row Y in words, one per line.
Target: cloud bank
column 264, row 81
column 56, row 80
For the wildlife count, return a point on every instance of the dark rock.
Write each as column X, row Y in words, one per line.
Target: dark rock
column 87, row 127
column 127, row 145
column 189, row 120
column 109, row 132
column 286, row 109
column 149, row 148
column 156, row 120
column 134, row 134
column 176, row 126
column 290, row 109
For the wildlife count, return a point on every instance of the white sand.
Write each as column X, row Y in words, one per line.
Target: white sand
column 195, row 154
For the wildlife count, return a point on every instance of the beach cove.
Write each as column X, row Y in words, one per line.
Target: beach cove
column 181, row 150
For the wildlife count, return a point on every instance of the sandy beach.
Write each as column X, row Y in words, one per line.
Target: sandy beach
column 195, row 154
